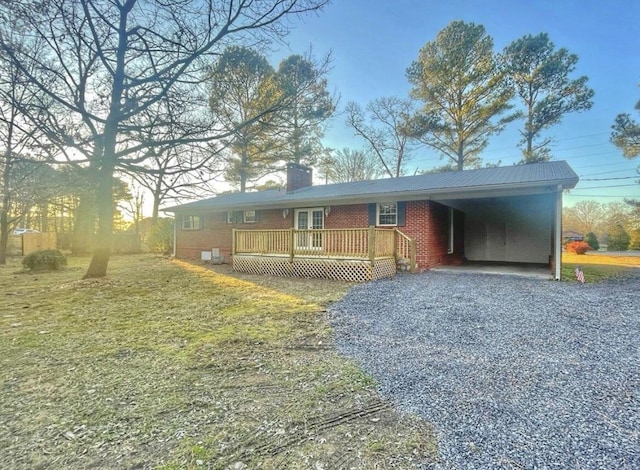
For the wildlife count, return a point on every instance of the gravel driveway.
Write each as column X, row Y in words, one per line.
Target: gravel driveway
column 513, row 372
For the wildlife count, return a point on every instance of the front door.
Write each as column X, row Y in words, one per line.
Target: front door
column 309, row 219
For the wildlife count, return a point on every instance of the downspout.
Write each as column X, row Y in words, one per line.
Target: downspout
column 175, row 235
column 557, row 251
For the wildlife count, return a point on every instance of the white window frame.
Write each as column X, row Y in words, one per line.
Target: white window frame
column 249, row 217
column 309, row 240
column 378, row 214
column 188, row 222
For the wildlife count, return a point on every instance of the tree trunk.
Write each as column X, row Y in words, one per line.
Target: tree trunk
column 4, row 236
column 102, row 251
column 84, row 225
column 243, row 168
column 157, row 199
column 6, row 201
column 156, row 209
column 44, row 216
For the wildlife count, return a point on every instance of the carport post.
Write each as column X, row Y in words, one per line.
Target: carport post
column 557, row 239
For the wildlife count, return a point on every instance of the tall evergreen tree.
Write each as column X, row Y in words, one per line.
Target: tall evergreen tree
column 540, row 74
column 464, row 92
column 241, row 95
column 626, row 134
column 299, row 126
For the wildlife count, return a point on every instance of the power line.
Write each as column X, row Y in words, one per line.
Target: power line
column 581, row 147
column 606, row 164
column 606, row 173
column 594, row 195
column 585, row 155
column 612, row 186
column 584, row 136
column 608, row 179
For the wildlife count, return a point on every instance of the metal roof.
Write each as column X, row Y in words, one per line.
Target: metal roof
column 468, row 184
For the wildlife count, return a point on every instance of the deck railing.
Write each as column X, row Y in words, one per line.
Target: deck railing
column 351, row 243
column 405, row 249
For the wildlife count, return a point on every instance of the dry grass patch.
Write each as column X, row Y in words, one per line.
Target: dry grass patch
column 166, row 364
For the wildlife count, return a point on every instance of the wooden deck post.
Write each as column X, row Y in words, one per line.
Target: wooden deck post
column 372, row 244
column 233, row 242
column 395, row 244
column 291, row 243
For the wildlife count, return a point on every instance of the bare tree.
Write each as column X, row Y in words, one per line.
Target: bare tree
column 180, row 168
column 382, row 128
column 20, row 143
column 584, row 216
column 105, row 63
column 348, row 165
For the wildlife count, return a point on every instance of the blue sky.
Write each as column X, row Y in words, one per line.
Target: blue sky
column 374, row 41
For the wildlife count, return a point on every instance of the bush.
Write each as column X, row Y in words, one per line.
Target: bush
column 160, row 238
column 579, row 248
column 45, row 260
column 634, row 244
column 618, row 239
column 592, row 240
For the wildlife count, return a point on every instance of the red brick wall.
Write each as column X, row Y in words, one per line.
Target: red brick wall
column 216, row 232
column 354, row 216
column 426, row 222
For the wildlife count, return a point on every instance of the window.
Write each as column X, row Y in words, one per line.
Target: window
column 239, row 217
column 191, row 222
column 387, row 213
column 249, row 217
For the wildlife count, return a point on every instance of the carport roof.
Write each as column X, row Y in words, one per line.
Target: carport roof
column 468, row 184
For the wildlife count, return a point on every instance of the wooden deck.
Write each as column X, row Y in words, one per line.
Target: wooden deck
column 354, row 254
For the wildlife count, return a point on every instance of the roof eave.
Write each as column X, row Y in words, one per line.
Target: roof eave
column 501, row 190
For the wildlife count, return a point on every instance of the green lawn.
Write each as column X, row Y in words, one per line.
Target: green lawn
column 170, row 365
column 598, row 266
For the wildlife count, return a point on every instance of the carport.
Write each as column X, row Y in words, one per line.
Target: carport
column 511, row 229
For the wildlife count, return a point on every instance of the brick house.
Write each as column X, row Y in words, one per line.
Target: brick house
column 508, row 214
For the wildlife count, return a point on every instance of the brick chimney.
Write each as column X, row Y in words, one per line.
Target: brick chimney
column 298, row 176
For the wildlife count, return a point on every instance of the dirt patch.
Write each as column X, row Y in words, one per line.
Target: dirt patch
column 319, row 291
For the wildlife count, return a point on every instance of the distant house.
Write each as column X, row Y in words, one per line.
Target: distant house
column 572, row 236
column 368, row 229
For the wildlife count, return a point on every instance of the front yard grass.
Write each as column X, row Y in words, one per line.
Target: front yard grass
column 171, row 365
column 598, row 267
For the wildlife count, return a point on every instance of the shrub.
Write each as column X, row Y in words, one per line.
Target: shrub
column 160, row 238
column 618, row 239
column 592, row 240
column 579, row 248
column 634, row 244
column 44, row 260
